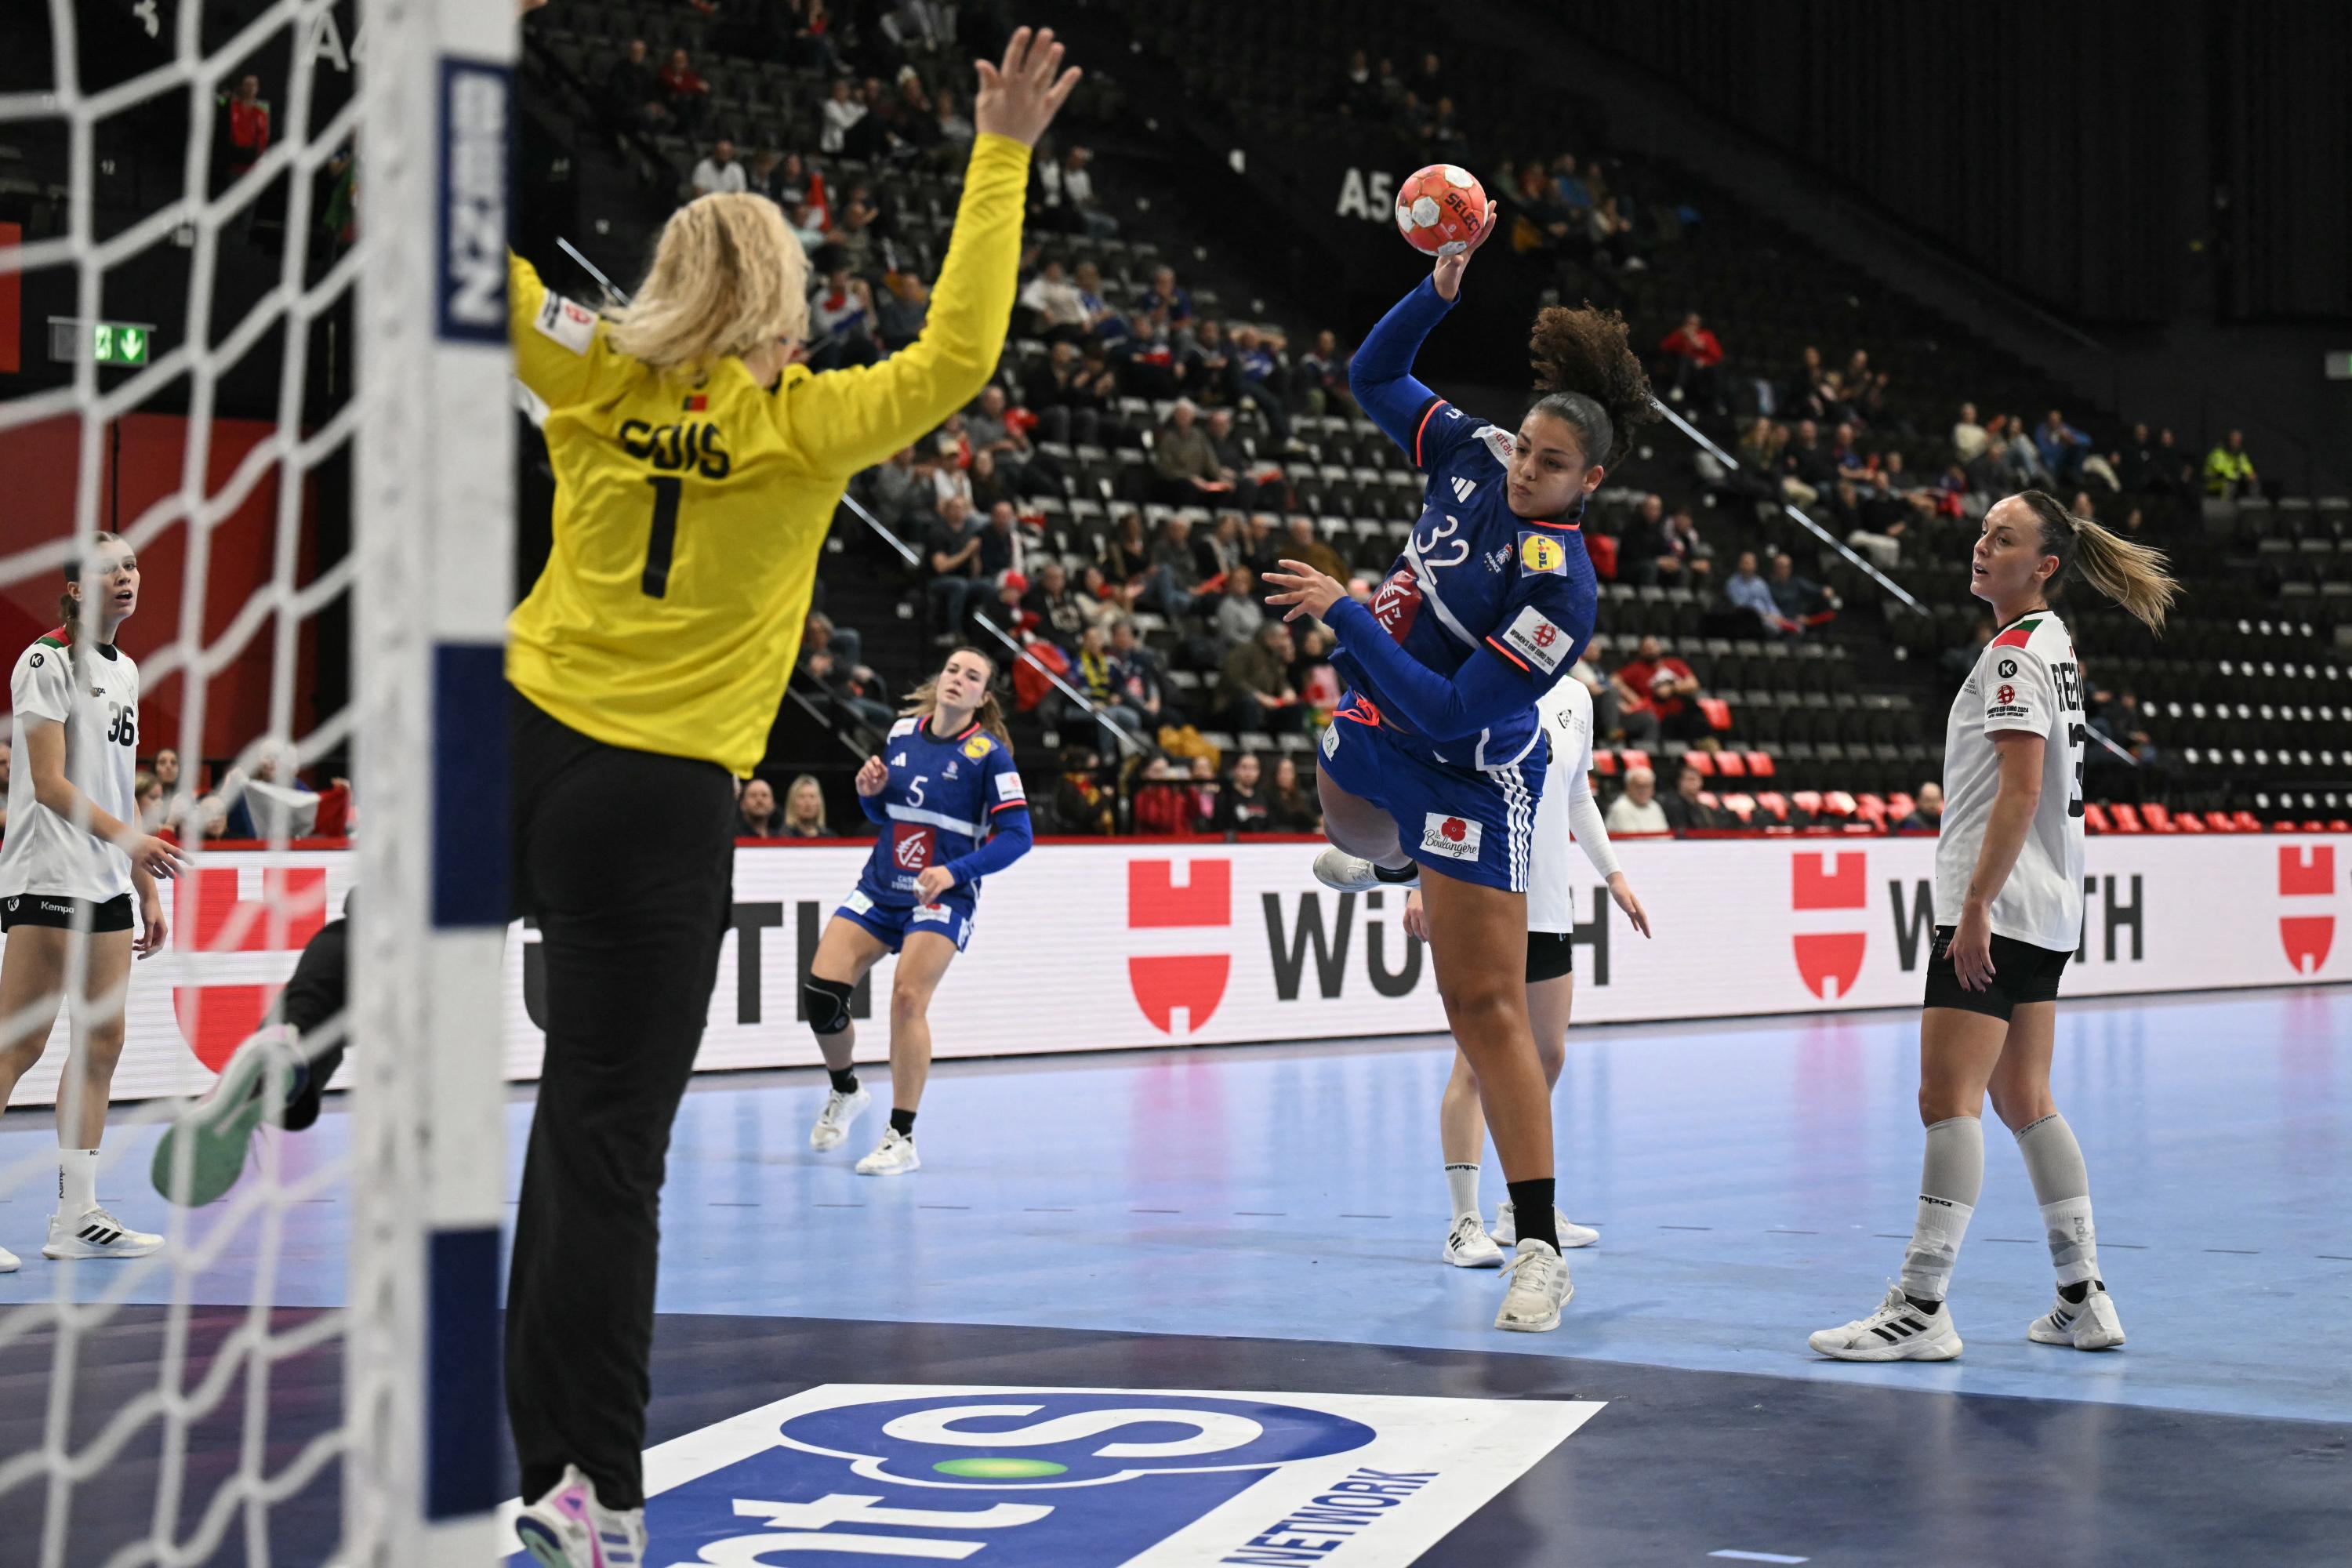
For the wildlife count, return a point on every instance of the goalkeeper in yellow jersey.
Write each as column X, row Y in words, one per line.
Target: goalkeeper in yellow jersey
column 697, row 472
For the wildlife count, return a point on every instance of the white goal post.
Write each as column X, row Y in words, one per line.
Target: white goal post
column 190, row 1464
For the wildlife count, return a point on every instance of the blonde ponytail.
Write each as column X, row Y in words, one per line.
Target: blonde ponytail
column 2133, row 575
column 729, row 278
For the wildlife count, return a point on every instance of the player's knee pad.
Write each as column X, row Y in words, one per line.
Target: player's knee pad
column 826, row 1002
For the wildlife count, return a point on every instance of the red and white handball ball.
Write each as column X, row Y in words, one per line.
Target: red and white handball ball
column 1439, row 209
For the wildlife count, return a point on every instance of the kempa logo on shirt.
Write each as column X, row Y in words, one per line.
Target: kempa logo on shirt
column 1464, row 487
column 2008, row 669
column 1455, row 838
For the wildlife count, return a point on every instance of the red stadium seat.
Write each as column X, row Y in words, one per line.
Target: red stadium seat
column 1773, row 803
column 2282, row 828
column 1718, row 712
column 1634, row 757
column 2158, row 819
column 1603, row 551
column 1703, row 762
column 2315, row 825
column 1837, row 803
column 1742, row 807
column 1871, row 809
column 2189, row 822
column 2337, row 824
column 1707, row 797
column 1900, row 804
column 2125, row 818
column 2220, row 822
column 2246, row 822
column 2095, row 818
column 1730, row 764
column 1604, row 762
column 1759, row 764
column 1808, row 801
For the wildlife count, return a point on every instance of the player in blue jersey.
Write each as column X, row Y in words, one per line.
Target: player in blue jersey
column 952, row 810
column 1433, row 764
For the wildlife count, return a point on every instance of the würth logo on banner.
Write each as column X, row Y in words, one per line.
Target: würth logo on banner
column 1829, row 962
column 1156, row 901
column 214, row 926
column 2306, row 871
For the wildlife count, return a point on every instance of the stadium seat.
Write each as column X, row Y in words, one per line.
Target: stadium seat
column 2189, row 822
column 2247, row 822
column 1604, row 762
column 2158, row 819
column 1773, row 803
column 1742, row 807
column 1807, row 801
column 1729, row 764
column 2125, row 816
column 1718, row 712
column 1871, row 808
column 1703, row 763
column 2220, row 822
column 2095, row 818
column 1634, row 757
column 1759, row 764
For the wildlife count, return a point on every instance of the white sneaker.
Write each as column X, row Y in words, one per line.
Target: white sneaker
column 2090, row 1324
column 97, row 1234
column 1466, row 1245
column 1897, row 1331
column 894, row 1156
column 569, row 1528
column 1507, row 1229
column 1539, row 1288
column 831, row 1129
column 1343, row 872
column 9, row 1261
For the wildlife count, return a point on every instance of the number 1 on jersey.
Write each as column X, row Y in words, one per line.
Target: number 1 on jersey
column 663, row 539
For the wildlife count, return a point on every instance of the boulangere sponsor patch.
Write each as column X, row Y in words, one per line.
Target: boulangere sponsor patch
column 1536, row 640
column 1455, row 838
column 573, row 326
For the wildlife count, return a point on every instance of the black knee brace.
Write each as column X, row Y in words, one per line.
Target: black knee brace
column 827, row 1004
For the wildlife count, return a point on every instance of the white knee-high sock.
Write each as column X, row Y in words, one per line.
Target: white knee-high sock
column 1462, row 1182
column 1950, row 1178
column 2062, row 1184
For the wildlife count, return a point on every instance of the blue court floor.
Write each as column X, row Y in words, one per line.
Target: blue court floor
column 1752, row 1180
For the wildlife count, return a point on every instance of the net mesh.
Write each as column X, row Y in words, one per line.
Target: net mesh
column 193, row 286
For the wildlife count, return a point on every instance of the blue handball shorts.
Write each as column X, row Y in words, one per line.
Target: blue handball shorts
column 1471, row 824
column 894, row 924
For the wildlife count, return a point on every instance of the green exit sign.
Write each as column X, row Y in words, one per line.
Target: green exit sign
column 121, row 342
column 128, row 345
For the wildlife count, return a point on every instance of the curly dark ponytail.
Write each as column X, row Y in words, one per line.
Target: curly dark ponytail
column 1591, row 377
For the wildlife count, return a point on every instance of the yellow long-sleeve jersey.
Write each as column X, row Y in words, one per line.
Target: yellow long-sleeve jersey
column 688, row 517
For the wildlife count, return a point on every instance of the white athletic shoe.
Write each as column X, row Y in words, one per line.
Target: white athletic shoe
column 894, row 1156
column 1539, row 1288
column 1507, row 1229
column 569, row 1528
column 1343, row 872
column 9, row 1261
column 97, row 1234
column 1897, row 1331
column 831, row 1129
column 2090, row 1324
column 1466, row 1245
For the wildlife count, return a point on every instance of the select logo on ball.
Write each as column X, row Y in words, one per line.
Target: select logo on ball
column 1439, row 209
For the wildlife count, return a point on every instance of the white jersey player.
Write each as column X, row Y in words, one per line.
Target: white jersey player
column 2009, row 914
column 74, row 856
column 1566, row 809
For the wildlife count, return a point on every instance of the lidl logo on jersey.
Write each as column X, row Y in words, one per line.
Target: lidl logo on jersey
column 1071, row 1478
column 1541, row 552
column 470, row 250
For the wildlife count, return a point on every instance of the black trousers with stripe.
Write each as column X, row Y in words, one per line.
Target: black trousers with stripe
column 626, row 859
